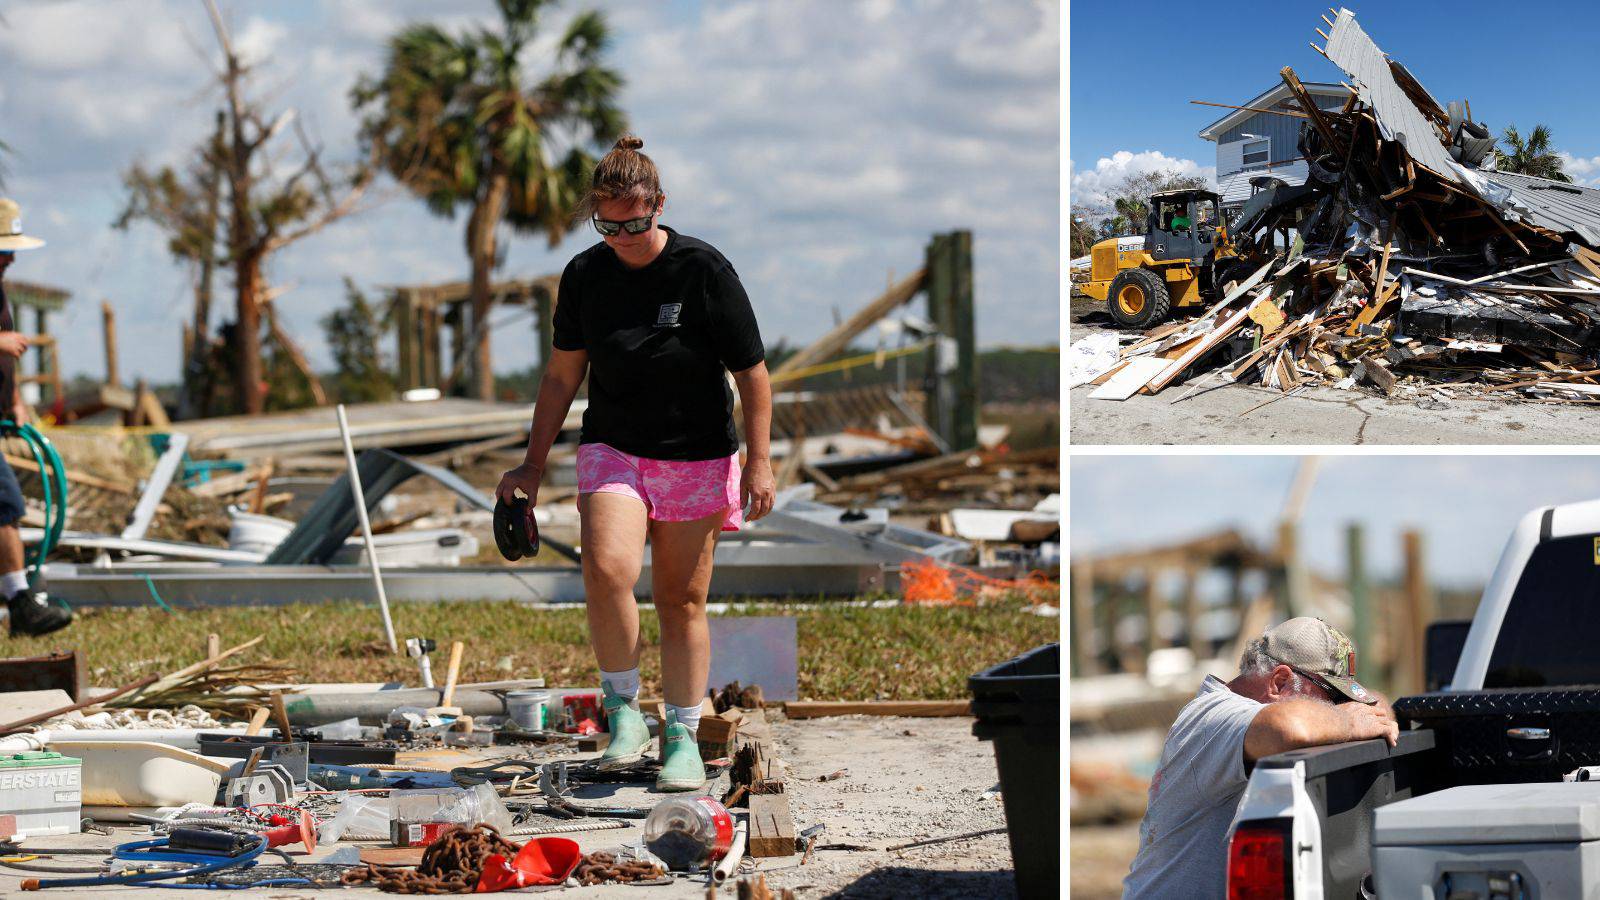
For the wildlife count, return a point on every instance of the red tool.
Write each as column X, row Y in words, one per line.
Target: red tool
column 296, row 832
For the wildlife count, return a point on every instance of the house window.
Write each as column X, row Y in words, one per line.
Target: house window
column 1257, row 154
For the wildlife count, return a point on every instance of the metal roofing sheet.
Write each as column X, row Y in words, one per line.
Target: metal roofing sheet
column 1556, row 205
column 1353, row 51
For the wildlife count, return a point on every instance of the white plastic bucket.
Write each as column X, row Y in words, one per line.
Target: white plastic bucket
column 528, row 709
column 254, row 533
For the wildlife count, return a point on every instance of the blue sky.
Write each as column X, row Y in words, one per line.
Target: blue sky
column 819, row 152
column 1133, row 71
column 1464, row 505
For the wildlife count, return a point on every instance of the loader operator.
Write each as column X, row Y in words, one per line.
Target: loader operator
column 30, row 612
column 1296, row 688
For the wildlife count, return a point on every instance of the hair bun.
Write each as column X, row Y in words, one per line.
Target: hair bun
column 629, row 142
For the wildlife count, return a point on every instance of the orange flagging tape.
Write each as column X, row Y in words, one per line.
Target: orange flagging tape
column 931, row 582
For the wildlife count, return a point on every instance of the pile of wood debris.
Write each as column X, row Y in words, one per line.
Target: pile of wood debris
column 1417, row 270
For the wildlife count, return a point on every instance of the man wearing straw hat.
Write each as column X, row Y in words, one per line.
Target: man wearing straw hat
column 30, row 612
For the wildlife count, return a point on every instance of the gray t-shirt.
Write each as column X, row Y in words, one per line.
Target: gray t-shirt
column 1183, row 840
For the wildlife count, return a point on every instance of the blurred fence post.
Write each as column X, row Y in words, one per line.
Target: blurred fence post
column 1360, row 602
column 1418, row 611
column 1084, row 661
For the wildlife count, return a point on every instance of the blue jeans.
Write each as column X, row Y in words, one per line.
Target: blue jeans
column 11, row 505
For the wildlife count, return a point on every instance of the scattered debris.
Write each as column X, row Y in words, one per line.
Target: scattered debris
column 1415, row 264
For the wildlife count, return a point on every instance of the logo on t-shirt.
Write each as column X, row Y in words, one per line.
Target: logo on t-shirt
column 667, row 316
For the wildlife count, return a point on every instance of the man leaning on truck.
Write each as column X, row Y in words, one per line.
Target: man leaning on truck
column 1296, row 688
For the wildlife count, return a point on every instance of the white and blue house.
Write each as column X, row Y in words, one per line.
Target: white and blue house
column 1253, row 143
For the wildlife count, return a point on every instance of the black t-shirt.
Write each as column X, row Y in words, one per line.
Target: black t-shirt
column 659, row 340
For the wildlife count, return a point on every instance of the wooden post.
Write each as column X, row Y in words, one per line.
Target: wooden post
column 544, row 302
column 431, row 347
column 1296, row 580
column 461, row 360
column 1360, row 602
column 405, row 334
column 213, row 645
column 1199, row 641
column 46, row 363
column 108, row 318
column 1085, row 663
column 1154, row 606
column 952, row 388
column 1418, row 612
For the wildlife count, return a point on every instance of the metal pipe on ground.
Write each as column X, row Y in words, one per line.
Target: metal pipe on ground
column 373, row 707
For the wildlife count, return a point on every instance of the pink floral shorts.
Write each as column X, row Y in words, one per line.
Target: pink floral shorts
column 671, row 490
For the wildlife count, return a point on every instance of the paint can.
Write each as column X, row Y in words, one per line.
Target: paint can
column 528, row 709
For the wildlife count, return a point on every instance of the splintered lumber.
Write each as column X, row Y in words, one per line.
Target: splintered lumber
column 813, row 709
column 771, row 826
column 840, row 337
column 1206, row 344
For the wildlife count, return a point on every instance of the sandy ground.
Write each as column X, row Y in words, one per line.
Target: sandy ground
column 1246, row 414
column 908, row 779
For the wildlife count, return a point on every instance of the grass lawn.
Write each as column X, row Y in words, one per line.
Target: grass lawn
column 845, row 653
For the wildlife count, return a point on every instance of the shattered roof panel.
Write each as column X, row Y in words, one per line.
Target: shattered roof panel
column 1556, row 205
column 1353, row 51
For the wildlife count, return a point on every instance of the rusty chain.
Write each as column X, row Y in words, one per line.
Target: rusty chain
column 451, row 864
column 599, row 867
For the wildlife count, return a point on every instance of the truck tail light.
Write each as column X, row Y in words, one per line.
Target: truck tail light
column 1259, row 864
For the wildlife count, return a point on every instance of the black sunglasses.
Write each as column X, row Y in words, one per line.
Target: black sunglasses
column 632, row 226
column 1333, row 694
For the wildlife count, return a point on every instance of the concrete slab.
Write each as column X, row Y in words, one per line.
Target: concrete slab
column 1250, row 414
column 908, row 779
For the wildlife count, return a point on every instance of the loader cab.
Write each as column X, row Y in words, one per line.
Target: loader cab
column 1183, row 225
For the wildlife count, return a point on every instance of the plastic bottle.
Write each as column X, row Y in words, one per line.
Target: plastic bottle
column 688, row 833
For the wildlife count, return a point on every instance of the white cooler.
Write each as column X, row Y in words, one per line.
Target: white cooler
column 1490, row 842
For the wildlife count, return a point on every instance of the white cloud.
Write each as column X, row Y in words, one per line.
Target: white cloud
column 1584, row 170
column 819, row 152
column 1089, row 186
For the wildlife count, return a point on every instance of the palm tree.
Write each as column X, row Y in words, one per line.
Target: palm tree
column 457, row 121
column 1531, row 157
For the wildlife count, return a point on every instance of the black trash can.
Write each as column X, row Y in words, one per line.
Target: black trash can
column 1018, row 706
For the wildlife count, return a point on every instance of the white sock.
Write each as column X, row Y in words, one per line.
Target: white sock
column 14, row 582
column 623, row 684
column 688, row 716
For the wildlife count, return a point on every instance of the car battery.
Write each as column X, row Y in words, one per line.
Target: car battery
column 1490, row 842
column 41, row 792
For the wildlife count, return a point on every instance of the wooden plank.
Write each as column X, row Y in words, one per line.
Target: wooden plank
column 1206, row 345
column 771, row 826
column 85, row 479
column 839, row 338
column 1130, row 379
column 812, row 709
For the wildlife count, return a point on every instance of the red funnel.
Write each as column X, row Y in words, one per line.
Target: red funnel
column 546, row 860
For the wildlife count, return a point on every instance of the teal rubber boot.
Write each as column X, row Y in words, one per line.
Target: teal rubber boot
column 681, row 768
column 630, row 736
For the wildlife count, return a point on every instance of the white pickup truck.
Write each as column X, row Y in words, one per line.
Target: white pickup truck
column 1517, row 702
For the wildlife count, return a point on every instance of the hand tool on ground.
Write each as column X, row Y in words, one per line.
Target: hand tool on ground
column 418, row 649
column 447, row 705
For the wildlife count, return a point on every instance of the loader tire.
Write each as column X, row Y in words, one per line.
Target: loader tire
column 1138, row 299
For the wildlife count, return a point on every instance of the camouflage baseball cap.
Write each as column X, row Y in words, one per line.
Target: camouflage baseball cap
column 1317, row 648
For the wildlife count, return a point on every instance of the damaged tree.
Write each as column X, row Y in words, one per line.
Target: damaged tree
column 1416, row 264
column 264, row 213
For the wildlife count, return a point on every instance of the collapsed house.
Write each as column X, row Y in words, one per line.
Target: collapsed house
column 1415, row 268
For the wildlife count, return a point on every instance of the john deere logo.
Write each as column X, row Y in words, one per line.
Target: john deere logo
column 1597, row 551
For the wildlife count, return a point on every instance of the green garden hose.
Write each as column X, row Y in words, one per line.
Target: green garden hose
column 53, row 478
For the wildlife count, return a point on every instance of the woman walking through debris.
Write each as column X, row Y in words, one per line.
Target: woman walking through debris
column 655, row 318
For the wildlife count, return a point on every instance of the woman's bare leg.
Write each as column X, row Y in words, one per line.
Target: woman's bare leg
column 613, row 532
column 680, row 569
